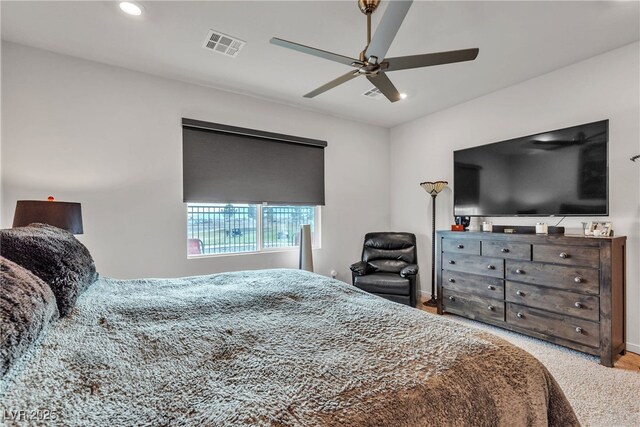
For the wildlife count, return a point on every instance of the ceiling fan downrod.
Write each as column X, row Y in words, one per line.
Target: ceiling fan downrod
column 367, row 7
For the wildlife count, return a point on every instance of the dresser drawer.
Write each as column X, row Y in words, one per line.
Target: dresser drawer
column 487, row 287
column 507, row 250
column 567, row 255
column 576, row 279
column 563, row 302
column 557, row 325
column 473, row 264
column 461, row 246
column 473, row 306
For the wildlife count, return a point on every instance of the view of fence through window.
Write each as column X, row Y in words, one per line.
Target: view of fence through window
column 229, row 228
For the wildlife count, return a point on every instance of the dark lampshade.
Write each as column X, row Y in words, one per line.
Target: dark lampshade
column 65, row 215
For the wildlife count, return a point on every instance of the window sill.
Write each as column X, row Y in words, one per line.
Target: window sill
column 267, row 251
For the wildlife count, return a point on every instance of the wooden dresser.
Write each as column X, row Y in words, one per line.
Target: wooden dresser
column 568, row 290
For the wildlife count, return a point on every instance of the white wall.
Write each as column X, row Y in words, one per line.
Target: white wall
column 605, row 86
column 111, row 139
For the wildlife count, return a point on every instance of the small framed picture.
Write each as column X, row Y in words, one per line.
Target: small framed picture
column 599, row 229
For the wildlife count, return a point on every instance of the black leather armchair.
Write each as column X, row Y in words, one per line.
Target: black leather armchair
column 388, row 267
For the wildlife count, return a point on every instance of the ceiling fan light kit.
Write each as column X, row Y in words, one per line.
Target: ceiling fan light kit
column 372, row 61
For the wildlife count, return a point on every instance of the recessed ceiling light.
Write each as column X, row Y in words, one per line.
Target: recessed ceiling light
column 403, row 95
column 130, row 8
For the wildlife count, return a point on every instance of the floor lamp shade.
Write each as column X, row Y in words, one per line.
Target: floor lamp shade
column 65, row 215
column 434, row 187
column 306, row 255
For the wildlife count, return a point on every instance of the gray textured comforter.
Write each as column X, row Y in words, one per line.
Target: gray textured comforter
column 276, row 348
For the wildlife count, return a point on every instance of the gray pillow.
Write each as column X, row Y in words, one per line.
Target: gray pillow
column 27, row 307
column 55, row 256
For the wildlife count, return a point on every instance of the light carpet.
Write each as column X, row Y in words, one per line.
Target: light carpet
column 599, row 395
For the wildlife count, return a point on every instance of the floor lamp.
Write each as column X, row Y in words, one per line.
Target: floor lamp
column 433, row 188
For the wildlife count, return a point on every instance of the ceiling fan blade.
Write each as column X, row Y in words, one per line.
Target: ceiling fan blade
column 430, row 59
column 315, row 52
column 382, row 82
column 559, row 143
column 539, row 142
column 388, row 28
column 333, row 83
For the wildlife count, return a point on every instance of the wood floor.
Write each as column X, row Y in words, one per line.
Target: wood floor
column 630, row 361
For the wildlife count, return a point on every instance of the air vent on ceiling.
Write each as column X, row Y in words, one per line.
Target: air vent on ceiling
column 223, row 44
column 374, row 93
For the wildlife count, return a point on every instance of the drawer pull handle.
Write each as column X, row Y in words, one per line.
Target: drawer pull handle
column 520, row 315
column 452, row 280
column 578, row 279
column 564, row 255
column 504, row 250
column 460, row 246
column 520, row 293
column 451, row 261
column 579, row 330
column 491, row 308
column 452, row 298
column 491, row 288
column 491, row 267
column 578, row 304
column 518, row 271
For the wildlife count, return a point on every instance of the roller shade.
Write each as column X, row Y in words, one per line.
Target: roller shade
column 222, row 163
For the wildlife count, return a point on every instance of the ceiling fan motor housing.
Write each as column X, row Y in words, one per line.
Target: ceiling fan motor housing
column 370, row 69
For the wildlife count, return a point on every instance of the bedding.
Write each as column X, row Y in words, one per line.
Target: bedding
column 274, row 348
column 55, row 256
column 27, row 308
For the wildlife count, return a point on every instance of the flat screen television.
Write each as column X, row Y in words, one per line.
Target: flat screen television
column 558, row 173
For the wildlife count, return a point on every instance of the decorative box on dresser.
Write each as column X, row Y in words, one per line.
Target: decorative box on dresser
column 568, row 290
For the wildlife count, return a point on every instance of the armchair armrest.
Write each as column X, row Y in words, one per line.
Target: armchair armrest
column 409, row 270
column 360, row 268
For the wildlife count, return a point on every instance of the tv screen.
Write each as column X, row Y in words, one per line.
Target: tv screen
column 562, row 172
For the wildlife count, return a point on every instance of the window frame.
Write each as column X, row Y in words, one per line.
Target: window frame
column 317, row 233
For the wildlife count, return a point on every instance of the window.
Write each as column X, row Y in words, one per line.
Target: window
column 270, row 183
column 220, row 228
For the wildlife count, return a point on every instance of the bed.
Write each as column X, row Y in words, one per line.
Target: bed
column 271, row 348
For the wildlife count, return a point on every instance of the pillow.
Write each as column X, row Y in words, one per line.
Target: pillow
column 55, row 256
column 27, row 307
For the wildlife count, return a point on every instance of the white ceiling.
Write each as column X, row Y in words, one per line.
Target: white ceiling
column 517, row 40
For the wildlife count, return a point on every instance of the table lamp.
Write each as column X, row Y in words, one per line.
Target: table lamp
column 65, row 215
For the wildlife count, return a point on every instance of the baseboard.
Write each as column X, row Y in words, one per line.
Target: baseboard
column 634, row 348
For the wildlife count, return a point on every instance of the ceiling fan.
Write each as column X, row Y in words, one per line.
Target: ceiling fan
column 372, row 62
column 580, row 139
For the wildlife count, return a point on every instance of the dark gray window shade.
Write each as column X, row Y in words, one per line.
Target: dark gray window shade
column 228, row 164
